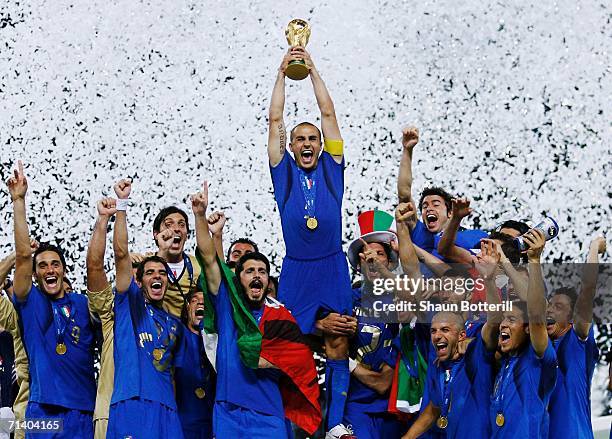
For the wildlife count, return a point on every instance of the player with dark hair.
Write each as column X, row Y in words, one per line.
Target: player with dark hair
column 528, row 372
column 248, row 401
column 10, row 322
column 56, row 328
column 146, row 342
column 435, row 205
column 512, row 228
column 170, row 231
column 569, row 322
column 195, row 376
column 239, row 248
column 273, row 287
column 372, row 353
column 100, row 295
column 459, row 383
column 308, row 189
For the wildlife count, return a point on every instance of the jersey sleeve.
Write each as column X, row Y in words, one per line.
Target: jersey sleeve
column 8, row 315
column 477, row 356
column 101, row 302
column 281, row 180
column 466, row 239
column 469, row 239
column 549, row 365
column 219, row 300
column 334, row 173
column 132, row 291
column 421, row 237
column 33, row 303
column 389, row 356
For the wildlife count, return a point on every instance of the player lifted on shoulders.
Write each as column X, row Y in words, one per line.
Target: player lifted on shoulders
column 308, row 189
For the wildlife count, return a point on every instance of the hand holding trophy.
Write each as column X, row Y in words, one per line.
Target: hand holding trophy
column 297, row 33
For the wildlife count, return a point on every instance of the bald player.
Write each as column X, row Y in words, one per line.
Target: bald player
column 308, row 189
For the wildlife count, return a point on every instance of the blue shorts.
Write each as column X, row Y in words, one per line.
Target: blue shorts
column 204, row 432
column 76, row 423
column 309, row 287
column 140, row 418
column 232, row 421
column 372, row 425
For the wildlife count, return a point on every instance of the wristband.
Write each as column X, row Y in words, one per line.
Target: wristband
column 122, row 204
column 352, row 365
column 334, row 147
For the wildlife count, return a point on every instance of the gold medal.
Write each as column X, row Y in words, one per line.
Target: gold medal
column 200, row 392
column 60, row 348
column 500, row 420
column 158, row 354
column 442, row 422
column 312, row 223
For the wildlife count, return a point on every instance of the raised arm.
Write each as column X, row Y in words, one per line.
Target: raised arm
column 329, row 122
column 519, row 279
column 446, row 246
column 96, row 276
column 205, row 244
column 536, row 299
column 216, row 222
column 409, row 260
column 18, row 187
column 583, row 312
column 123, row 262
column 410, row 137
column 6, row 265
column 277, row 134
column 436, row 265
column 487, row 261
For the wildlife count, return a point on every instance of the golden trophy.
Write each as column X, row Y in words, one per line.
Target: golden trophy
column 297, row 33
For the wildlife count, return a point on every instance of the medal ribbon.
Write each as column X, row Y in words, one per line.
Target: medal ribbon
column 446, row 379
column 413, row 369
column 161, row 327
column 203, row 365
column 188, row 267
column 309, row 191
column 501, row 383
column 174, row 280
column 60, row 320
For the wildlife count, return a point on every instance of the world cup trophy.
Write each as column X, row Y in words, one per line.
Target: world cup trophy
column 297, row 33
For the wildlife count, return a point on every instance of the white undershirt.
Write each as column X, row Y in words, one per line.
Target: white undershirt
column 177, row 268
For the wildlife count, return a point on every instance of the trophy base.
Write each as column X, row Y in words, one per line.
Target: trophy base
column 297, row 70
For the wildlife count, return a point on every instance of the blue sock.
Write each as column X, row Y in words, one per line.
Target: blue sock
column 337, row 378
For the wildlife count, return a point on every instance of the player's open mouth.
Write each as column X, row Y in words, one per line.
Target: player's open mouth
column 256, row 286
column 156, row 287
column 177, row 239
column 442, row 348
column 431, row 219
column 504, row 337
column 51, row 281
column 199, row 311
column 307, row 156
column 550, row 321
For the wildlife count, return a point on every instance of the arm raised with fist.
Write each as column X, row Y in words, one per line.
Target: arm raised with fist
column 18, row 188
column 205, row 244
column 123, row 262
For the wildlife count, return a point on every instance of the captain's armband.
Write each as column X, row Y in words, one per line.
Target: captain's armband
column 334, row 147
